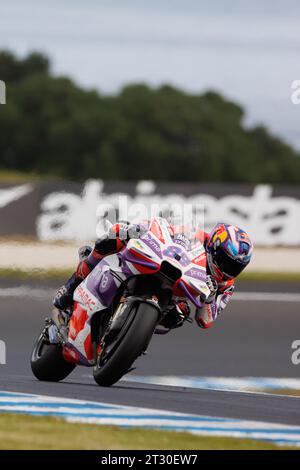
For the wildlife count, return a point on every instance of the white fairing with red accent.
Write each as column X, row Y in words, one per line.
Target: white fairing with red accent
column 143, row 255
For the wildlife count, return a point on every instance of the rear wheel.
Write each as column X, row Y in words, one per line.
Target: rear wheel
column 47, row 362
column 133, row 340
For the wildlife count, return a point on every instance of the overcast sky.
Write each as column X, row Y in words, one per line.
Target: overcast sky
column 250, row 51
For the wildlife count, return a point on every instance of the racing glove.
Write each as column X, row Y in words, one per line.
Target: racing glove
column 206, row 315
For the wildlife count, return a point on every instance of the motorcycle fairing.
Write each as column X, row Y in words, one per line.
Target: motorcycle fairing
column 94, row 294
column 144, row 255
column 147, row 253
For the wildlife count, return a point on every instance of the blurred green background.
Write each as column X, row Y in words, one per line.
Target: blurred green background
column 52, row 126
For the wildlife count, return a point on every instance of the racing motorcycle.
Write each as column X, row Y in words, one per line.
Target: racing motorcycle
column 127, row 298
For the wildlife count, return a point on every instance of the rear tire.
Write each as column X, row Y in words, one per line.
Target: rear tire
column 47, row 362
column 131, row 346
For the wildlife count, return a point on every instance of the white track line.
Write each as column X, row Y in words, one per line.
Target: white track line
column 45, row 294
column 25, row 291
column 129, row 416
column 226, row 384
column 266, row 297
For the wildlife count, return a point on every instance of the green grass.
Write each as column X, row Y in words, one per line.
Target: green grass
column 22, row 432
column 7, row 176
column 11, row 176
column 294, row 393
column 270, row 276
column 35, row 274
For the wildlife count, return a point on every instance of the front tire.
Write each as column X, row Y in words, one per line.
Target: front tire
column 47, row 362
column 130, row 347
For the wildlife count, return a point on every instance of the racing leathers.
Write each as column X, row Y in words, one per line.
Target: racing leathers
column 221, row 293
column 114, row 242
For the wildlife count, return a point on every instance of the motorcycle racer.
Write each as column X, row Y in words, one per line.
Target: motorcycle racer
column 229, row 251
column 228, row 248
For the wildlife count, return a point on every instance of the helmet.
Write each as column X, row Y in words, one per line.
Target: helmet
column 229, row 251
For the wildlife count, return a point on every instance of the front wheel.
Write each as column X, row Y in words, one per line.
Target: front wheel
column 143, row 319
column 47, row 362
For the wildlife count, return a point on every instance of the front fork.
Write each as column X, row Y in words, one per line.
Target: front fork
column 121, row 314
column 57, row 327
column 173, row 317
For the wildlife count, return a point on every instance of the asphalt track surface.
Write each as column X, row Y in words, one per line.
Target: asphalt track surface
column 250, row 339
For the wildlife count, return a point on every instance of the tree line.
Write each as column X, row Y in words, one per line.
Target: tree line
column 51, row 126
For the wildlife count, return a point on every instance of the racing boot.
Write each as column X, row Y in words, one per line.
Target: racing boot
column 64, row 296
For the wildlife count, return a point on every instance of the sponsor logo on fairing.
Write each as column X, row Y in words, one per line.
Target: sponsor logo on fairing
column 85, row 298
column 196, row 273
column 152, row 244
column 182, row 240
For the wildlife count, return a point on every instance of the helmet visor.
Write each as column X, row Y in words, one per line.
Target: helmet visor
column 229, row 266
